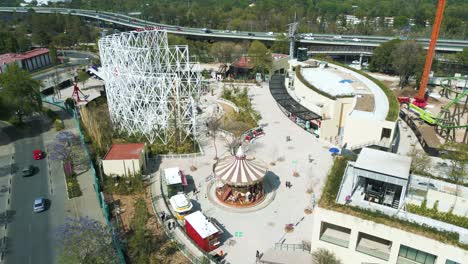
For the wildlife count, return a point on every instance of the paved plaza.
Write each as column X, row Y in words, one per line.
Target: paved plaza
column 259, row 228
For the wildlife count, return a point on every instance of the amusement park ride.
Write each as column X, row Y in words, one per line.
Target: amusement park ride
column 451, row 115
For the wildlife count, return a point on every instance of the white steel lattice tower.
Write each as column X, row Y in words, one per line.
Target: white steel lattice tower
column 151, row 87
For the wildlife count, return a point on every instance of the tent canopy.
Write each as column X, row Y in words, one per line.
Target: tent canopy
column 239, row 171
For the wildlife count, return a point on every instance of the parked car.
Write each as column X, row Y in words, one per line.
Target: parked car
column 254, row 133
column 27, row 171
column 37, row 154
column 39, row 205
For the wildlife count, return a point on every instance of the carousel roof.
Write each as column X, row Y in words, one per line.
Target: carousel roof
column 239, row 171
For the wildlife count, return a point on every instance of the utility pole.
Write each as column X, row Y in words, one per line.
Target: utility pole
column 292, row 37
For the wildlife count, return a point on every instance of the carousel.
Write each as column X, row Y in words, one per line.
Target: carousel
column 241, row 180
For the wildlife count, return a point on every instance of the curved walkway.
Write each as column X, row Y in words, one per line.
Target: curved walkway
column 244, row 233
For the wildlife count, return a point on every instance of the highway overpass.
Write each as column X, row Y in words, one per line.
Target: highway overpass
column 318, row 39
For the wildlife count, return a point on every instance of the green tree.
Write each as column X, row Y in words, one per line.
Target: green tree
column 462, row 57
column 408, row 60
column 382, row 59
column 421, row 162
column 457, row 154
column 323, row 256
column 261, row 56
column 281, row 44
column 225, row 52
column 20, row 92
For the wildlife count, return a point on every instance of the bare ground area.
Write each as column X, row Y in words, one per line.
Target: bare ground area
column 365, row 102
column 163, row 253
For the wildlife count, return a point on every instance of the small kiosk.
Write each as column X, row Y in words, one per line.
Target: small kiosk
column 181, row 205
column 175, row 180
column 202, row 231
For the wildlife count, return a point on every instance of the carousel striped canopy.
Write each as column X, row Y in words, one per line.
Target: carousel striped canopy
column 239, row 171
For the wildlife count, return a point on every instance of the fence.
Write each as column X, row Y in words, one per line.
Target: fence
column 231, row 104
column 99, row 195
column 207, row 258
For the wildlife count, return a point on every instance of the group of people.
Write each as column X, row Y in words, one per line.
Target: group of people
column 288, row 184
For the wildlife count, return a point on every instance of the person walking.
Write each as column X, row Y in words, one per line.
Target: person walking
column 257, row 255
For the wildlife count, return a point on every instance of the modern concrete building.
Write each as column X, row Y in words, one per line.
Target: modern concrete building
column 30, row 60
column 365, row 242
column 352, row 108
column 379, row 182
column 377, row 177
column 125, row 159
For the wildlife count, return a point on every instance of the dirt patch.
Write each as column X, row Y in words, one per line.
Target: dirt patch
column 165, row 252
column 365, row 102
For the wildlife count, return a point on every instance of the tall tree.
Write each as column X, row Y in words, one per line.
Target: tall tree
column 381, row 61
column 408, row 60
column 281, row 44
column 213, row 125
column 226, row 52
column 261, row 56
column 20, row 91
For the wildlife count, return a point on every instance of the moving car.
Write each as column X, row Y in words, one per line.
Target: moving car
column 39, row 205
column 37, row 154
column 251, row 34
column 270, row 33
column 27, row 171
column 206, row 30
column 356, row 39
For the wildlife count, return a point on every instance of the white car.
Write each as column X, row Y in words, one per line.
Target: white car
column 309, row 38
column 356, row 39
column 337, row 37
column 270, row 33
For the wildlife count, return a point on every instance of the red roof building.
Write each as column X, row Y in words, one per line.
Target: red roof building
column 125, row 159
column 29, row 60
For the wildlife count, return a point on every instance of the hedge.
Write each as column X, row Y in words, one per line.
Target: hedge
column 441, row 216
column 394, row 106
column 315, row 89
column 328, row 198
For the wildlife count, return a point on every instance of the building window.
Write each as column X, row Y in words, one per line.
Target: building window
column 386, row 132
column 451, row 262
column 374, row 246
column 408, row 255
column 335, row 234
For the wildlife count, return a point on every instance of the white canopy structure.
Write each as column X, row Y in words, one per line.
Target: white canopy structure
column 239, row 171
column 180, row 203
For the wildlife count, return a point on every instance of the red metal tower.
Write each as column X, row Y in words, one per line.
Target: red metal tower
column 421, row 99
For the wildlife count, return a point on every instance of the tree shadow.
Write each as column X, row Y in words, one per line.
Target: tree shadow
column 31, row 128
column 271, row 182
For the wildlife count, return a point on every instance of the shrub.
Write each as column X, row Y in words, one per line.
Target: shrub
column 58, row 124
column 73, row 187
column 447, row 217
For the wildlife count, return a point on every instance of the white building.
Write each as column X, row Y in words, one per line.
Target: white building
column 378, row 182
column 125, row 159
column 352, row 109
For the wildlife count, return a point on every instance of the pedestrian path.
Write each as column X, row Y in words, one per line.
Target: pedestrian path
column 159, row 207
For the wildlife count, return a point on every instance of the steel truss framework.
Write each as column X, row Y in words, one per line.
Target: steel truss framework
column 151, row 87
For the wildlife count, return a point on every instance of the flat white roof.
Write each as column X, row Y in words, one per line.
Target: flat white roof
column 199, row 222
column 384, row 162
column 172, row 176
column 180, row 203
column 326, row 80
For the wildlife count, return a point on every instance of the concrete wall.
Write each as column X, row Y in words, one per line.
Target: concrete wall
column 333, row 112
column 360, row 131
column 396, row 236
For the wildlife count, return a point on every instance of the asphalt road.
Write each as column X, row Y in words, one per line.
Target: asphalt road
column 31, row 235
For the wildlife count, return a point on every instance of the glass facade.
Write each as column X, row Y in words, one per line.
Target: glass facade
column 416, row 256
